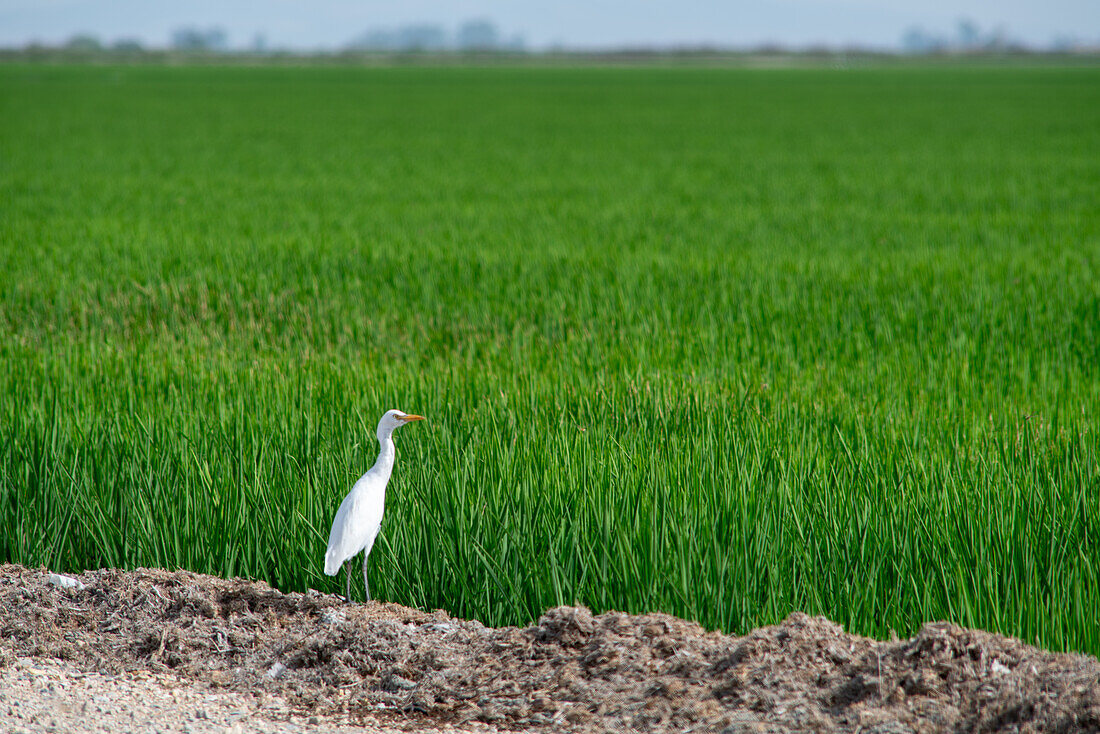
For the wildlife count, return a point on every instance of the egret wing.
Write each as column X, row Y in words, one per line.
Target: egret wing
column 357, row 522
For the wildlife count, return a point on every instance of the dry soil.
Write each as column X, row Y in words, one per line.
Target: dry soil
column 313, row 660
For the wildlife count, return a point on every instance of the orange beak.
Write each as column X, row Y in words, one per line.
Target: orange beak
column 409, row 418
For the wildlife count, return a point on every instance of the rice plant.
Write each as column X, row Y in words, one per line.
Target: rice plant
column 720, row 343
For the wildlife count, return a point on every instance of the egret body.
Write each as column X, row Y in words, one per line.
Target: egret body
column 360, row 515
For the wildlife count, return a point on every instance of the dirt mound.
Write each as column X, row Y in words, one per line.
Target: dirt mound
column 573, row 670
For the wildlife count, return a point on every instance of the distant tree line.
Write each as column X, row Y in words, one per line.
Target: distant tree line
column 473, row 35
column 86, row 43
column 200, row 39
column 970, row 38
column 483, row 36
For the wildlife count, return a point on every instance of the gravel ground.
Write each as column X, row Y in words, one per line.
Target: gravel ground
column 42, row 695
column 152, row 649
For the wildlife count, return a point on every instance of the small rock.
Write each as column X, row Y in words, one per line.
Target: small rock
column 395, row 682
column 66, row 582
column 276, row 670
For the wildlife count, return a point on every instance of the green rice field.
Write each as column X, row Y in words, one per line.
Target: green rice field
column 721, row 343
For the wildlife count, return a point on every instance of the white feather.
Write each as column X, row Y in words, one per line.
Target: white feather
column 358, row 520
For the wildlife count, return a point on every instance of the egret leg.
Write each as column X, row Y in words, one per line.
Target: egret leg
column 347, row 587
column 366, row 582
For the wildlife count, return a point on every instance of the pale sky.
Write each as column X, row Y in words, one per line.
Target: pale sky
column 329, row 24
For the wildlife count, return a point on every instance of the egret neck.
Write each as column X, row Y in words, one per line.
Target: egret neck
column 387, row 453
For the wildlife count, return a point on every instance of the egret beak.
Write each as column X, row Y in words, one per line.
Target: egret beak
column 409, row 418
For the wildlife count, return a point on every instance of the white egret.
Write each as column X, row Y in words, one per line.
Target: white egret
column 360, row 515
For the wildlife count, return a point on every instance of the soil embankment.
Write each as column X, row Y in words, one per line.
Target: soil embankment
column 343, row 663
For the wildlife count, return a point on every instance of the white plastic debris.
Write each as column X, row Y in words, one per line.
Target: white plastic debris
column 333, row 616
column 999, row 668
column 276, row 670
column 65, row 582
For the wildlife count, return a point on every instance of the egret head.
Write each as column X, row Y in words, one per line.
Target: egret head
column 394, row 419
